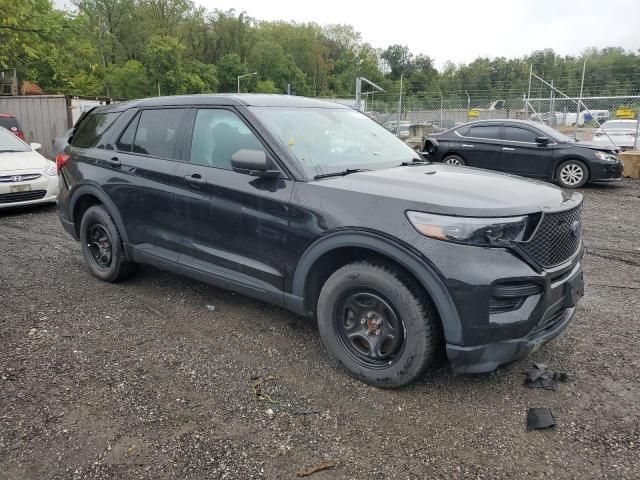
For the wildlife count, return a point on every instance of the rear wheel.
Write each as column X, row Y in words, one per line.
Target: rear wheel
column 102, row 247
column 376, row 324
column 572, row 174
column 454, row 160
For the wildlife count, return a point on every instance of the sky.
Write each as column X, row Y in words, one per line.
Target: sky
column 462, row 30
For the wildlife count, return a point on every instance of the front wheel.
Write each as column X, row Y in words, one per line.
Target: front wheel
column 377, row 324
column 572, row 174
column 454, row 160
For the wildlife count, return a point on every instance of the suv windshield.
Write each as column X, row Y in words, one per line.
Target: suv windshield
column 10, row 143
column 327, row 140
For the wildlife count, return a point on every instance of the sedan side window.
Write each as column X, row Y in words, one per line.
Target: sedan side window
column 491, row 132
column 217, row 135
column 517, row 134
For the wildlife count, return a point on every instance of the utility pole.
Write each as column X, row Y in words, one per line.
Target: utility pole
column 584, row 68
column 399, row 108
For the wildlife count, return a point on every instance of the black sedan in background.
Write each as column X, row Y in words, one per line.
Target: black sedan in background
column 524, row 148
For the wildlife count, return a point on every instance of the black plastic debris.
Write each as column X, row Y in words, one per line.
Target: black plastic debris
column 540, row 418
column 538, row 376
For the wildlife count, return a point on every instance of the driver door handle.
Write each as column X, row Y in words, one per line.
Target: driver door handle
column 509, row 149
column 466, row 145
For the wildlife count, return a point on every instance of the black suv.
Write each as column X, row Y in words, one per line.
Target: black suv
column 524, row 148
column 313, row 206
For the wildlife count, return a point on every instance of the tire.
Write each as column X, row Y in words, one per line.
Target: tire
column 454, row 160
column 102, row 247
column 362, row 309
column 572, row 174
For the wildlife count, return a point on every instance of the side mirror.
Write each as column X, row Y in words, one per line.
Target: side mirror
column 542, row 140
column 254, row 162
column 35, row 146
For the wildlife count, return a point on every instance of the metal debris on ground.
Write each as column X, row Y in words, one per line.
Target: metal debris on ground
column 540, row 418
column 323, row 465
column 257, row 389
column 538, row 376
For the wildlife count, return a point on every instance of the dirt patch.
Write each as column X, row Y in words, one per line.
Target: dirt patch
column 142, row 380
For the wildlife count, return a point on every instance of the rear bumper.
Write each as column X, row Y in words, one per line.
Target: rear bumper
column 69, row 227
column 486, row 358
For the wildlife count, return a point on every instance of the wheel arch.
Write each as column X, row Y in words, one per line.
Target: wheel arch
column 87, row 195
column 334, row 250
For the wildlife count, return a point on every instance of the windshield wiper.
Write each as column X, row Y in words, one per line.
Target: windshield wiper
column 341, row 173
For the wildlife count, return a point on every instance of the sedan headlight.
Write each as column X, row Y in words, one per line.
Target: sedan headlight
column 51, row 169
column 606, row 156
column 485, row 232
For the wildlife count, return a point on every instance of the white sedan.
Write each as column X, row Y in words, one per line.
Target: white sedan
column 621, row 132
column 26, row 177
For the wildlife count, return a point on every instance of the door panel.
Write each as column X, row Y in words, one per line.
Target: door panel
column 143, row 186
column 231, row 219
column 483, row 146
column 522, row 155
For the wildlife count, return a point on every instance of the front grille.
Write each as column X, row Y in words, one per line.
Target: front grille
column 557, row 238
column 19, row 178
column 22, row 196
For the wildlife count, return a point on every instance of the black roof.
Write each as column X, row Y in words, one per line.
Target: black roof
column 248, row 99
column 531, row 123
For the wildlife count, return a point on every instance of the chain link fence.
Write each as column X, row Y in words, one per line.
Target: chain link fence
column 413, row 118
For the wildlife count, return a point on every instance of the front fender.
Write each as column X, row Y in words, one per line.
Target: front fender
column 390, row 249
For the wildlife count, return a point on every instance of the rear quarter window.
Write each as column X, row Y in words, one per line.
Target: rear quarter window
column 90, row 131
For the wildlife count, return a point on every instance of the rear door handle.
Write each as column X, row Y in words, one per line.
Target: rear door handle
column 508, row 149
column 195, row 180
column 466, row 145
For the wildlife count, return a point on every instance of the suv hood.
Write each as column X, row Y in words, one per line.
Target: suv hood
column 455, row 190
column 22, row 161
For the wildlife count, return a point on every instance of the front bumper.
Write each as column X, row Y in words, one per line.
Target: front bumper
column 486, row 358
column 31, row 192
column 606, row 171
column 545, row 315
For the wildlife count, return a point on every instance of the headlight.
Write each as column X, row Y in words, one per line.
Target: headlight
column 605, row 156
column 484, row 232
column 51, row 169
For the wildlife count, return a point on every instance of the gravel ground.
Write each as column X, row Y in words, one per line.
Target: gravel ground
column 143, row 380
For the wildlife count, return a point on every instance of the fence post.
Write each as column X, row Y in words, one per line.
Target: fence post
column 635, row 140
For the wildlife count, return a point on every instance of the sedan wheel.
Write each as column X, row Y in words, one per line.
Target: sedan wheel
column 454, row 160
column 572, row 174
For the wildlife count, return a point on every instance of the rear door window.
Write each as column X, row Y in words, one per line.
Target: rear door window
column 158, row 131
column 125, row 142
column 90, row 131
column 517, row 134
column 490, row 132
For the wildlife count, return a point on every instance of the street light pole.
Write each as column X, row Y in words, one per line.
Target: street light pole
column 242, row 76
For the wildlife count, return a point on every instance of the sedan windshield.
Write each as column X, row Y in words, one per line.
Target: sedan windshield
column 327, row 140
column 554, row 134
column 10, row 143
